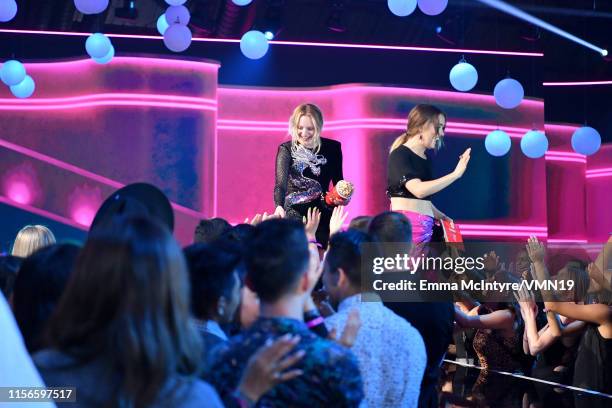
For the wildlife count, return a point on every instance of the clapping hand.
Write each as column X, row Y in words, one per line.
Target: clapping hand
column 526, row 300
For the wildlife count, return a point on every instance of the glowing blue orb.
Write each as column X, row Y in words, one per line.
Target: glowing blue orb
column 498, row 143
column 12, row 72
column 534, row 144
column 107, row 58
column 8, row 10
column 463, row 76
column 97, row 45
column 177, row 38
column 432, row 7
column 402, row 8
column 508, row 93
column 242, row 2
column 162, row 24
column 254, row 44
column 25, row 88
column 586, row 140
column 177, row 15
column 175, row 2
column 91, row 6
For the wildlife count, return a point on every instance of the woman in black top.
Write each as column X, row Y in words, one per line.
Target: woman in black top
column 410, row 180
column 305, row 167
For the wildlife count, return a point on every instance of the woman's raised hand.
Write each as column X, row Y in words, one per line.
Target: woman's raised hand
column 463, row 162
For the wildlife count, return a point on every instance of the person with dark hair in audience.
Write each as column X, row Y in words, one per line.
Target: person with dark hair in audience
column 361, row 223
column 433, row 320
column 121, row 333
column 9, row 266
column 280, row 271
column 240, row 234
column 391, row 352
column 39, row 285
column 209, row 230
column 214, row 272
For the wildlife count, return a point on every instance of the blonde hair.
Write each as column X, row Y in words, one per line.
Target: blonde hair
column 314, row 113
column 418, row 118
column 30, row 239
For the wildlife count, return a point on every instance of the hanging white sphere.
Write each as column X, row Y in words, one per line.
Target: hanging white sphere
column 97, row 45
column 463, row 76
column 254, row 44
column 25, row 88
column 162, row 24
column 175, row 2
column 402, row 8
column 177, row 15
column 508, row 93
column 12, row 72
column 242, row 2
column 432, row 7
column 534, row 144
column 586, row 140
column 107, row 58
column 177, row 38
column 91, row 6
column 498, row 143
column 8, row 10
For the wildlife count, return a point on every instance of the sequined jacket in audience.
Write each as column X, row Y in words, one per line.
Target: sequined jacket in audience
column 330, row 378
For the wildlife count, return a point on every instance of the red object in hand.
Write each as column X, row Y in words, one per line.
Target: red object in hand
column 340, row 194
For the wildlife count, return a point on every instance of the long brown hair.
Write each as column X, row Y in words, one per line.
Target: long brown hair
column 418, row 118
column 127, row 302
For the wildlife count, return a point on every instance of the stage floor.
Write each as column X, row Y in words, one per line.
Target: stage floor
column 468, row 386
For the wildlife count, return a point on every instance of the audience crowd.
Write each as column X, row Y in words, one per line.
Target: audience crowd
column 258, row 314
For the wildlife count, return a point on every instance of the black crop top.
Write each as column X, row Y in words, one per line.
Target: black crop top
column 404, row 165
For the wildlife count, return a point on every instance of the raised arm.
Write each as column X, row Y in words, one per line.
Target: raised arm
column 422, row 189
column 283, row 161
column 595, row 313
column 500, row 319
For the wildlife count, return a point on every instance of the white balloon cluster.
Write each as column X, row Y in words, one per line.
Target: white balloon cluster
column 13, row 74
column 173, row 26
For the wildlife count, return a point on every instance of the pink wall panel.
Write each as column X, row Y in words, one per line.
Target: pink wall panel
column 599, row 195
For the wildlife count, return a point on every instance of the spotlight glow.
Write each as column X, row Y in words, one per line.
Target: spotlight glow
column 520, row 14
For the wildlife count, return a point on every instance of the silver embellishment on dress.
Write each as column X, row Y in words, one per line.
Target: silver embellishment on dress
column 301, row 154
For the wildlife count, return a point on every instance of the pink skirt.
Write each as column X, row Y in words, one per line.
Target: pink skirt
column 422, row 226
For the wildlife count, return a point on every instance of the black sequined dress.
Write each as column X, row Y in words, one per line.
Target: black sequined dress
column 303, row 177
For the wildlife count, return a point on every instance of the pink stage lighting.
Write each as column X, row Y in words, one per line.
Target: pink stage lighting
column 598, row 173
column 83, row 204
column 293, row 43
column 21, row 185
column 561, row 156
column 584, row 83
